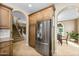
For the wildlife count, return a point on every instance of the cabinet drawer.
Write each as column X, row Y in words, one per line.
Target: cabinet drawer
column 4, row 44
column 5, row 51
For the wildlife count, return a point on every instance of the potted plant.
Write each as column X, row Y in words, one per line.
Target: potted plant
column 75, row 36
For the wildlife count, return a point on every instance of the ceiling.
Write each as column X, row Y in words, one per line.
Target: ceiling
column 67, row 11
column 24, row 6
column 37, row 6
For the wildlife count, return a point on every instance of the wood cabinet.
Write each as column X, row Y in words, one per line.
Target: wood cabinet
column 5, row 16
column 44, row 14
column 32, row 35
column 48, row 13
column 5, row 23
column 6, row 48
column 33, row 19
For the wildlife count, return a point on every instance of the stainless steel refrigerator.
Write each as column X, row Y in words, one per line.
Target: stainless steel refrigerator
column 43, row 37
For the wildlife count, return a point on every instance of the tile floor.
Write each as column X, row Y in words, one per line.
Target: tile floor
column 20, row 49
column 66, row 50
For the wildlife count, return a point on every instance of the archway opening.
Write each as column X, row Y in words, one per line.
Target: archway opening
column 19, row 26
column 67, row 26
column 60, row 27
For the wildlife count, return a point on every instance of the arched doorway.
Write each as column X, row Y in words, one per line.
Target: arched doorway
column 68, row 13
column 60, row 28
column 19, row 25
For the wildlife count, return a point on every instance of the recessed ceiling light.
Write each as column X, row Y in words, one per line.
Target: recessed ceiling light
column 29, row 5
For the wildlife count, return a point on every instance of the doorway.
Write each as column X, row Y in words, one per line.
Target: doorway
column 19, row 26
column 67, row 30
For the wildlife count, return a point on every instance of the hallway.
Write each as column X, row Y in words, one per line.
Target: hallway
column 20, row 49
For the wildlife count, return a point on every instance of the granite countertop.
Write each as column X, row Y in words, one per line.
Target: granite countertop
column 5, row 39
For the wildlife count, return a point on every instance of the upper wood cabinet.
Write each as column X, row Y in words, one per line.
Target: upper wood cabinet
column 33, row 19
column 5, row 16
column 39, row 16
column 43, row 14
column 48, row 13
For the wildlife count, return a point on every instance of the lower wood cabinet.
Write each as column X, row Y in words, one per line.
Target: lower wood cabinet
column 6, row 48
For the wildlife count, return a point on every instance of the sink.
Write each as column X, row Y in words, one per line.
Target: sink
column 4, row 33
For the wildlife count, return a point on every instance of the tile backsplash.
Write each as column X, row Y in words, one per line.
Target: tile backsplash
column 4, row 33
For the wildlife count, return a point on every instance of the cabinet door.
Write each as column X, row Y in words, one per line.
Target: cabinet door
column 5, row 18
column 32, row 35
column 33, row 19
column 5, row 51
column 47, row 13
column 6, row 48
column 39, row 16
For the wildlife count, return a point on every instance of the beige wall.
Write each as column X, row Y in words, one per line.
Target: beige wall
column 77, row 25
column 69, row 25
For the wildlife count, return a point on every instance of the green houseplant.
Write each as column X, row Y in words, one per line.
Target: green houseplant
column 75, row 36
